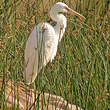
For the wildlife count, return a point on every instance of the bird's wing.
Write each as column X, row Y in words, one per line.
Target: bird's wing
column 31, row 57
column 41, row 48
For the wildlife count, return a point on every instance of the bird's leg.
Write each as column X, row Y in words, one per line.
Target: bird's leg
column 35, row 97
column 34, row 85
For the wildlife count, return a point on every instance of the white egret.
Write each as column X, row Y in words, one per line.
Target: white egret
column 42, row 44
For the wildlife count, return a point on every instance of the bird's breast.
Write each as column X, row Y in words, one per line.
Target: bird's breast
column 50, row 42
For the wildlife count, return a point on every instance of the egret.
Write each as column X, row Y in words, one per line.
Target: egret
column 42, row 44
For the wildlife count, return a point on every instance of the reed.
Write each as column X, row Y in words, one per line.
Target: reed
column 80, row 72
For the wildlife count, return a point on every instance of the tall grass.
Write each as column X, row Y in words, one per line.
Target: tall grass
column 80, row 72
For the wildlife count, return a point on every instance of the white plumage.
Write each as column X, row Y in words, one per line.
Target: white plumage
column 41, row 46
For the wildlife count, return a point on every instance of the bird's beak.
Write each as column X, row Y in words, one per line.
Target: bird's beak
column 75, row 13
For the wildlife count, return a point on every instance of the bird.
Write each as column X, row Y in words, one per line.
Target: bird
column 42, row 44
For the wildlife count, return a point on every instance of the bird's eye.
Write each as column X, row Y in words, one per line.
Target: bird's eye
column 65, row 10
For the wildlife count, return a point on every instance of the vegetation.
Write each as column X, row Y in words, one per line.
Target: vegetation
column 80, row 72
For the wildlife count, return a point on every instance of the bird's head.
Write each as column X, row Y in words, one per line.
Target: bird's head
column 60, row 8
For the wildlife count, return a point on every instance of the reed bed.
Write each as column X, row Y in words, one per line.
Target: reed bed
column 80, row 72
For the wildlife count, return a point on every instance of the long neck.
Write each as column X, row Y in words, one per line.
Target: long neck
column 61, row 24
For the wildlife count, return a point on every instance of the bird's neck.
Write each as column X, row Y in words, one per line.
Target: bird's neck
column 60, row 26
